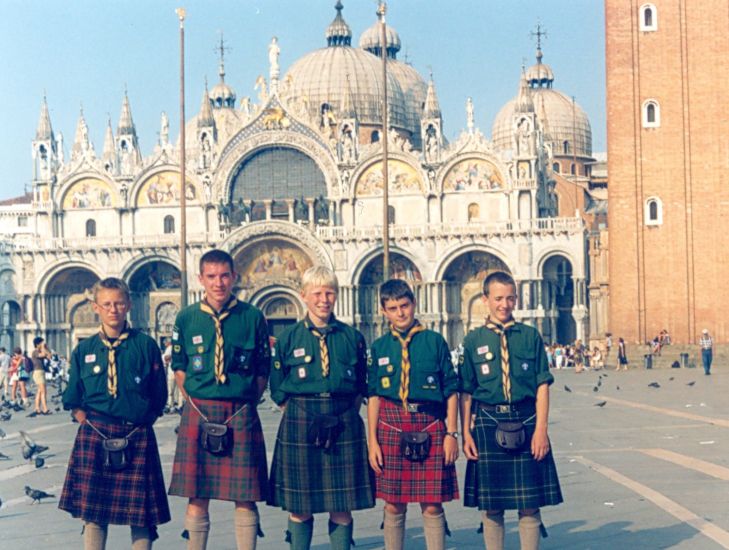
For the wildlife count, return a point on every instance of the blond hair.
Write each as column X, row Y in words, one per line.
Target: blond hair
column 319, row 275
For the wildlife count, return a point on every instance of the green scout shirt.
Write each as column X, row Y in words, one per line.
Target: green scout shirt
column 297, row 362
column 432, row 376
column 142, row 383
column 245, row 347
column 480, row 369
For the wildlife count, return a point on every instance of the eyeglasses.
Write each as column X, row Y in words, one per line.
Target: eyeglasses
column 119, row 306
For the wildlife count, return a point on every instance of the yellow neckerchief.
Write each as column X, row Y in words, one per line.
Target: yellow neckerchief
column 500, row 329
column 112, row 383
column 218, row 318
column 321, row 333
column 405, row 359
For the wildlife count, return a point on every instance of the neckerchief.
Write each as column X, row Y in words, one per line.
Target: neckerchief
column 112, row 382
column 218, row 318
column 405, row 359
column 321, row 333
column 500, row 329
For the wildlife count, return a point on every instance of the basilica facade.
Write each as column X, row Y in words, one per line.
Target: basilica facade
column 294, row 178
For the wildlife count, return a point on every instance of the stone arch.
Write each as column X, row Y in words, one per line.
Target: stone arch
column 153, row 281
column 10, row 315
column 281, row 305
column 366, row 258
column 88, row 190
column 558, row 298
column 7, row 282
column 164, row 318
column 160, row 186
column 478, row 172
column 404, row 175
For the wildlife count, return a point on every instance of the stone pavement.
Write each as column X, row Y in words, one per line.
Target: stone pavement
column 648, row 470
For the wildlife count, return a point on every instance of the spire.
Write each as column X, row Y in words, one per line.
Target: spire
column 126, row 124
column 44, row 130
column 108, row 140
column 81, row 142
column 221, row 66
column 432, row 106
column 542, row 116
column 339, row 33
column 348, row 110
column 222, row 95
column 206, row 112
column 524, row 101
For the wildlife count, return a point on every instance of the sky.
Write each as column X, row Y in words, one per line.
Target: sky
column 87, row 52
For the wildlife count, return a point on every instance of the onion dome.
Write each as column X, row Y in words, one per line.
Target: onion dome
column 371, row 40
column 338, row 32
column 222, row 95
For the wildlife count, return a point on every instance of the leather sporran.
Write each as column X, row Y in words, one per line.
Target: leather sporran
column 415, row 446
column 510, row 435
column 323, row 432
column 217, row 439
column 117, row 453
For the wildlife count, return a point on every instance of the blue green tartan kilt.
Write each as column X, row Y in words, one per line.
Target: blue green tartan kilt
column 239, row 476
column 508, row 480
column 305, row 479
column 134, row 496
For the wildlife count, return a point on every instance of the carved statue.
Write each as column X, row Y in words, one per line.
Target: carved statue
column 164, row 132
column 469, row 115
column 275, row 119
column 273, row 52
column 261, row 86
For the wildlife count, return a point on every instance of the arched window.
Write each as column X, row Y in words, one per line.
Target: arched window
column 653, row 211
column 566, row 147
column 169, row 225
column 651, row 114
column 375, row 136
column 648, row 18
column 91, row 228
column 573, row 169
column 555, row 167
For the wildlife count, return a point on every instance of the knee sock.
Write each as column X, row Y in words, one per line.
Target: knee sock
column 300, row 532
column 394, row 531
column 141, row 539
column 493, row 530
column 198, row 528
column 95, row 536
column 434, row 528
column 529, row 531
column 340, row 536
column 246, row 528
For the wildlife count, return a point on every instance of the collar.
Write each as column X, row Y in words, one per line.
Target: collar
column 205, row 307
column 405, row 334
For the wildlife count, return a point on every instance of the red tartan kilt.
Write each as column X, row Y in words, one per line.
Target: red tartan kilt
column 240, row 476
column 405, row 481
column 135, row 496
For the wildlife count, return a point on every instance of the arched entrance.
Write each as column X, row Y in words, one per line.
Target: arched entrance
column 558, row 300
column 10, row 316
column 463, row 278
column 281, row 310
column 155, row 289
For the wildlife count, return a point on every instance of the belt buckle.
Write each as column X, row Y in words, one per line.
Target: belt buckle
column 503, row 409
column 325, row 394
column 413, row 407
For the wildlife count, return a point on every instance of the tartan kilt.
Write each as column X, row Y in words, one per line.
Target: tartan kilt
column 508, row 480
column 305, row 479
column 239, row 476
column 405, row 481
column 135, row 496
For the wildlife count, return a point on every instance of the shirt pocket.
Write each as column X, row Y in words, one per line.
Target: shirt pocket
column 386, row 380
column 241, row 361
column 300, row 369
column 425, row 377
column 94, row 379
column 486, row 370
column 524, row 365
column 199, row 353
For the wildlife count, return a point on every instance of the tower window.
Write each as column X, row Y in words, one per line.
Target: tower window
column 169, row 225
column 91, row 228
column 22, row 221
column 555, row 167
column 566, row 147
column 648, row 18
column 653, row 211
column 651, row 114
column 573, row 169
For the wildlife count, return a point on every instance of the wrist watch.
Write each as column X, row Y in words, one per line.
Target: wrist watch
column 454, row 435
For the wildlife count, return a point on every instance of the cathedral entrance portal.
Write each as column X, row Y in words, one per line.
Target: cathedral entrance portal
column 281, row 310
column 155, row 288
column 559, row 300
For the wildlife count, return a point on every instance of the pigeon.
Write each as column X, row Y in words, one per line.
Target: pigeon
column 2, row 433
column 39, row 462
column 599, row 383
column 177, row 429
column 672, row 378
column 691, row 383
column 32, row 415
column 29, row 446
column 1, row 503
column 6, row 416
column 4, row 457
column 617, row 388
column 654, row 385
column 605, row 375
column 567, row 388
column 595, row 388
column 601, row 404
column 37, row 494
column 57, row 409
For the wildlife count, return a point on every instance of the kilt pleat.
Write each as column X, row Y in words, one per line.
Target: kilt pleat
column 305, row 479
column 405, row 481
column 504, row 480
column 239, row 476
column 135, row 496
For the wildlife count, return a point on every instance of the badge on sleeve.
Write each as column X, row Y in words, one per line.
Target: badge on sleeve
column 302, row 372
column 482, row 350
column 197, row 363
column 485, row 369
column 299, row 352
column 273, row 352
column 176, row 348
column 385, row 382
column 198, row 339
column 175, row 334
column 90, row 358
column 277, row 364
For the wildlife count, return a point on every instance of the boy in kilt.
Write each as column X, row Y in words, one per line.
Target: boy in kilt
column 412, row 387
column 221, row 358
column 505, row 378
column 116, row 390
column 319, row 378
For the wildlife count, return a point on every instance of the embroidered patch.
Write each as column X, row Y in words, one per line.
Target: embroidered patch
column 307, row 359
column 273, row 352
column 386, row 382
column 243, row 358
column 461, row 359
column 277, row 364
column 482, row 350
column 302, row 372
column 200, row 349
column 430, row 380
column 176, row 348
column 489, row 356
column 175, row 335
column 197, row 339
column 137, row 379
column 96, row 369
column 485, row 369
column 369, row 360
column 349, row 373
column 90, row 358
column 525, row 366
column 197, row 363
column 383, row 361
column 390, row 368
column 299, row 352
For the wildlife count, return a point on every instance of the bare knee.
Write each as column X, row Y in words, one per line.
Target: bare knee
column 340, row 518
column 300, row 518
column 245, row 505
column 395, row 507
column 198, row 507
column 431, row 508
column 528, row 512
